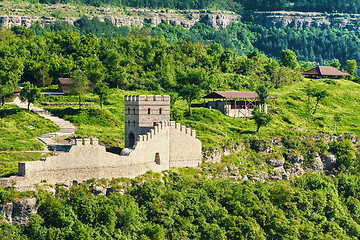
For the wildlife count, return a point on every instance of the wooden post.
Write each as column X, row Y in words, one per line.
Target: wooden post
column 235, row 108
column 246, row 109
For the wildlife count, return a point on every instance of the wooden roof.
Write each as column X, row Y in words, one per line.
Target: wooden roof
column 325, row 71
column 65, row 81
column 235, row 95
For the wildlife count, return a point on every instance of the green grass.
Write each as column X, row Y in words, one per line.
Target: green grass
column 214, row 129
column 19, row 130
column 9, row 161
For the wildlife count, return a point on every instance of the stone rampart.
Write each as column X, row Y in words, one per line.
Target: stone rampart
column 184, row 146
column 166, row 145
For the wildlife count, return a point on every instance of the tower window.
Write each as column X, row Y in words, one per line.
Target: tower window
column 134, row 123
column 160, row 110
column 134, row 110
column 129, row 122
column 148, row 110
column 157, row 158
column 128, row 110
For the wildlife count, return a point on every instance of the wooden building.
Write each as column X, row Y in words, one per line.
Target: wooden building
column 235, row 104
column 325, row 72
column 65, row 85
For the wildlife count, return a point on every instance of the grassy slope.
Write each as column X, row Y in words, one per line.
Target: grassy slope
column 213, row 128
column 18, row 132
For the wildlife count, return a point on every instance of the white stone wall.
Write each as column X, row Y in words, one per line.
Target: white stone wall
column 142, row 112
column 176, row 145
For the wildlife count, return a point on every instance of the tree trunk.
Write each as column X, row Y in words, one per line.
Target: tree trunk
column 258, row 127
column 2, row 101
column 28, row 106
column 79, row 101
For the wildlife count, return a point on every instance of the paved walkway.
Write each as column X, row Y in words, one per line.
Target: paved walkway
column 66, row 128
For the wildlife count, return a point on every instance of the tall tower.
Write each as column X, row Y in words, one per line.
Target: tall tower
column 143, row 112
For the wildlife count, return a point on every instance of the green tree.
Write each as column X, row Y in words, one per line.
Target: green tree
column 263, row 93
column 190, row 93
column 335, row 63
column 102, row 90
column 288, row 59
column 261, row 118
column 344, row 151
column 30, row 94
column 43, row 77
column 317, row 93
column 11, row 70
column 80, row 84
column 351, row 67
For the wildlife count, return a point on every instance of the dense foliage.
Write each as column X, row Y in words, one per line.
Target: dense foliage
column 139, row 62
column 310, row 44
column 189, row 206
column 349, row 6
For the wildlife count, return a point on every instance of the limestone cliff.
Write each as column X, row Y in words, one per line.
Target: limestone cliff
column 18, row 212
column 137, row 17
column 304, row 19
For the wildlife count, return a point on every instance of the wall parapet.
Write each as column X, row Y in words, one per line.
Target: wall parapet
column 183, row 128
column 87, row 141
column 136, row 98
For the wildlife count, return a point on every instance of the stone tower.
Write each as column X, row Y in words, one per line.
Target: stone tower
column 143, row 112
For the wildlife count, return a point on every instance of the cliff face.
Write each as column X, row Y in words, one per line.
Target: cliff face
column 302, row 19
column 215, row 19
column 19, row 212
column 138, row 17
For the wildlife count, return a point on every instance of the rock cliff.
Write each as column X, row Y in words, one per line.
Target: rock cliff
column 18, row 212
column 304, row 19
column 137, row 17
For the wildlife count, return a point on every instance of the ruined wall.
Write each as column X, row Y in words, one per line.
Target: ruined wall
column 166, row 145
column 184, row 146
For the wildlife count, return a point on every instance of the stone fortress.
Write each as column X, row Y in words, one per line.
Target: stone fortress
column 152, row 143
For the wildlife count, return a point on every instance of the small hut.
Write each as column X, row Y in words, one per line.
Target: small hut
column 325, row 72
column 65, row 85
column 235, row 104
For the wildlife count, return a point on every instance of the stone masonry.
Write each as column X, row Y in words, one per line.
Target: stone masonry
column 165, row 145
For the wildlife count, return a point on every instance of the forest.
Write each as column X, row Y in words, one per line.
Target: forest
column 314, row 45
column 190, row 203
column 348, row 6
column 189, row 206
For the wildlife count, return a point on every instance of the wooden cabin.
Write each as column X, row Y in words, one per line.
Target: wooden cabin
column 235, row 104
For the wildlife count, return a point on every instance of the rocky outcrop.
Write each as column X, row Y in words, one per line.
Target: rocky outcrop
column 19, row 212
column 304, row 19
column 186, row 19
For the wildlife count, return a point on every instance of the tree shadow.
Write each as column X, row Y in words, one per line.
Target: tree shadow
column 8, row 112
column 239, row 131
column 65, row 112
column 248, row 132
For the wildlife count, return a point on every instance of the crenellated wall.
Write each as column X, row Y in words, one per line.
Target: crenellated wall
column 166, row 145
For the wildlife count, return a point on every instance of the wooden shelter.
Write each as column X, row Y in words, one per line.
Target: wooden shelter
column 65, row 85
column 235, row 104
column 325, row 71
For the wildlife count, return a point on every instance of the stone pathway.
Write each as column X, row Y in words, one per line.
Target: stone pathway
column 66, row 128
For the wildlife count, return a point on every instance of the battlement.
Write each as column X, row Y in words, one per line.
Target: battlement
column 137, row 98
column 183, row 129
column 87, row 141
column 161, row 125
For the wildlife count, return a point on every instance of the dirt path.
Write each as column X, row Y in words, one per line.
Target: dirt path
column 66, row 128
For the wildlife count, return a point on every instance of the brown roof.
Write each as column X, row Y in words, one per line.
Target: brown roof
column 235, row 95
column 325, row 71
column 66, row 81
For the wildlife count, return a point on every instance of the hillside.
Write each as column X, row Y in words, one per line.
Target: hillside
column 218, row 200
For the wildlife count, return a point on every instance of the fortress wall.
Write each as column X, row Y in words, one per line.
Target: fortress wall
column 185, row 148
column 86, row 161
